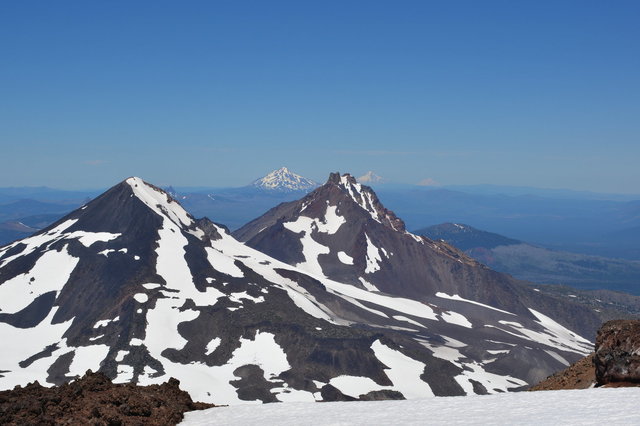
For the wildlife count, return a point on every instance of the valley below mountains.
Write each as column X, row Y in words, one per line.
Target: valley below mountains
column 537, row 264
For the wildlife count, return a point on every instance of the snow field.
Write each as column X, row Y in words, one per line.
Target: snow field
column 554, row 335
column 211, row 383
column 33, row 242
column 157, row 201
column 460, row 299
column 367, row 284
column 222, row 263
column 455, row 318
column 345, row 258
column 471, row 370
column 87, row 239
column 311, row 249
column 50, row 273
column 404, row 373
column 363, row 199
column 573, row 407
column 373, row 257
column 29, row 341
column 25, row 343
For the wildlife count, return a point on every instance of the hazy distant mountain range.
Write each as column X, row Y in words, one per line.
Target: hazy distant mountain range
column 536, row 264
column 600, row 227
column 598, row 224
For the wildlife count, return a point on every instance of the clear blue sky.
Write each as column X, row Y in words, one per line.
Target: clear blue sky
column 216, row 93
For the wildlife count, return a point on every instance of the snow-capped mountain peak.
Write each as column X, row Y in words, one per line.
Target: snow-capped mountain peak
column 284, row 180
column 368, row 200
column 371, row 177
column 159, row 201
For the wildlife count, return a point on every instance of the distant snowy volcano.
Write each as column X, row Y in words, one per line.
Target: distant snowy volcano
column 371, row 177
column 284, row 180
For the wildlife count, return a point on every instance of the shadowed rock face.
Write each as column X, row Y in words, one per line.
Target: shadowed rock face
column 617, row 356
column 94, row 399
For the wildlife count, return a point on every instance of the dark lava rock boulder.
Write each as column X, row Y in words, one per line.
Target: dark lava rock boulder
column 95, row 400
column 617, row 356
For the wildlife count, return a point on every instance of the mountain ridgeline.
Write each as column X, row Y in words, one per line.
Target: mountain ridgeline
column 351, row 237
column 329, row 299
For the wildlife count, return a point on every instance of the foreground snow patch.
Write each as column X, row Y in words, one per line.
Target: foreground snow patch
column 575, row 407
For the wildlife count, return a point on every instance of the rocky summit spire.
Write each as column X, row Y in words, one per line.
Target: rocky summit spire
column 366, row 198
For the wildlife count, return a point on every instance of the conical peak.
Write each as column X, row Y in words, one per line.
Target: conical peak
column 283, row 179
column 159, row 201
column 371, row 177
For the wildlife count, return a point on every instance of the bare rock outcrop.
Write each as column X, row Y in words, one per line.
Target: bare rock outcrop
column 579, row 375
column 94, row 400
column 617, row 356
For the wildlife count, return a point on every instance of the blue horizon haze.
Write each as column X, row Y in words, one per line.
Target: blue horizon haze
column 541, row 94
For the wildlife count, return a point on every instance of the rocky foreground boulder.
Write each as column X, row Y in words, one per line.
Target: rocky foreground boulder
column 617, row 353
column 95, row 400
column 615, row 362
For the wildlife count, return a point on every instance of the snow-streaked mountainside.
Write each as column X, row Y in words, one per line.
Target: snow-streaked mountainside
column 342, row 231
column 284, row 180
column 132, row 285
column 574, row 407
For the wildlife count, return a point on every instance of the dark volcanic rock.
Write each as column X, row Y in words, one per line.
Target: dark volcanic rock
column 615, row 363
column 331, row 393
column 383, row 256
column 617, row 357
column 93, row 399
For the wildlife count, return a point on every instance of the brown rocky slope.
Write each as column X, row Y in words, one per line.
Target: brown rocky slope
column 615, row 362
column 95, row 400
column 579, row 375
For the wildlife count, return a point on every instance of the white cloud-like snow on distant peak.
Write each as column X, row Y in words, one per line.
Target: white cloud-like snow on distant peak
column 371, row 177
column 284, row 179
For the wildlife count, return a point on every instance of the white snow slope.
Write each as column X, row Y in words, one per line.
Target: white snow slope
column 573, row 407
